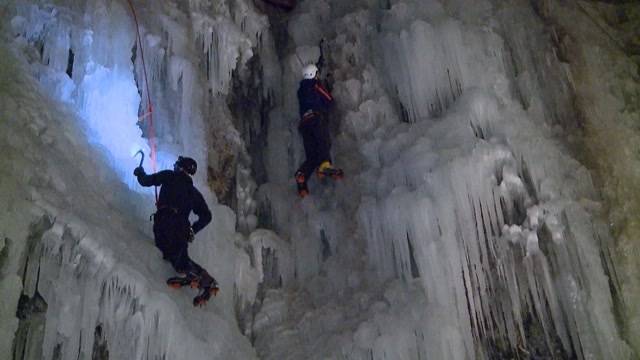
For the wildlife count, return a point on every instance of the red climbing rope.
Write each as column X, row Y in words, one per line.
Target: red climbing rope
column 149, row 114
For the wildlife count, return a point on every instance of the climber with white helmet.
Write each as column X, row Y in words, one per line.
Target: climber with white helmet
column 314, row 100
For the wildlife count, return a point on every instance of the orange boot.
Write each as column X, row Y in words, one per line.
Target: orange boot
column 301, row 182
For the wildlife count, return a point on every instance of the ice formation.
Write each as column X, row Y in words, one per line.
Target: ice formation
column 82, row 267
column 451, row 127
column 465, row 229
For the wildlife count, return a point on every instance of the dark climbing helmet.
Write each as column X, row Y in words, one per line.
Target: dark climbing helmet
column 186, row 164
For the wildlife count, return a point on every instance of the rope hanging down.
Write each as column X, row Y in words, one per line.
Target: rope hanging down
column 149, row 114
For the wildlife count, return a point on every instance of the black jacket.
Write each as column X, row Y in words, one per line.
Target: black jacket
column 313, row 96
column 177, row 192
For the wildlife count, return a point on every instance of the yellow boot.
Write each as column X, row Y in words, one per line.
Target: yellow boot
column 326, row 169
column 324, row 166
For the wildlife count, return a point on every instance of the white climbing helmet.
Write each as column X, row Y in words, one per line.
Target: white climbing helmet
column 309, row 71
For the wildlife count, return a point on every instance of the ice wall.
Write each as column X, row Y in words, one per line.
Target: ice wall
column 82, row 270
column 92, row 272
column 87, row 54
column 464, row 228
column 478, row 234
column 82, row 66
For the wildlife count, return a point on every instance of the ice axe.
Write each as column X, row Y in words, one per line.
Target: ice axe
column 141, row 158
column 320, row 63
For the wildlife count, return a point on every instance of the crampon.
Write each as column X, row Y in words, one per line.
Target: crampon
column 334, row 173
column 205, row 295
column 208, row 286
column 206, row 283
column 182, row 281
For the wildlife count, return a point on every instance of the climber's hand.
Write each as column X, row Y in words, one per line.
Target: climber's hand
column 139, row 171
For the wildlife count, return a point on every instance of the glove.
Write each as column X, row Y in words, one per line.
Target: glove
column 190, row 234
column 139, row 171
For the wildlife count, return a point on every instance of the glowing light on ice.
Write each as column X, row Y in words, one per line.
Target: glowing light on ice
column 134, row 150
column 109, row 104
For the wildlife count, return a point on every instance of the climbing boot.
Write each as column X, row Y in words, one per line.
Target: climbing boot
column 301, row 182
column 206, row 281
column 208, row 286
column 326, row 169
column 189, row 279
column 204, row 296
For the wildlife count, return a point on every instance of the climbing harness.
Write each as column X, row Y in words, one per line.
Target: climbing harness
column 309, row 115
column 149, row 114
column 164, row 209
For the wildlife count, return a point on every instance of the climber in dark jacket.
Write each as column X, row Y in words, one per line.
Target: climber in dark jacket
column 314, row 101
column 171, row 227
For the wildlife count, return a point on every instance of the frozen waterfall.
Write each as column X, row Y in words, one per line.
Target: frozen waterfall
column 468, row 226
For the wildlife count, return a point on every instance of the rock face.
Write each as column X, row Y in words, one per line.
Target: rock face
column 467, row 227
column 600, row 41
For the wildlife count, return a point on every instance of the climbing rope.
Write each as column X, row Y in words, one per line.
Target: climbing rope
column 149, row 113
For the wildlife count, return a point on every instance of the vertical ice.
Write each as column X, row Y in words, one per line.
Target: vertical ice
column 469, row 210
column 92, row 283
column 463, row 229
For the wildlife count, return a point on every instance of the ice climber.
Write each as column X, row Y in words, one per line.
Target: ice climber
column 314, row 100
column 171, row 227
